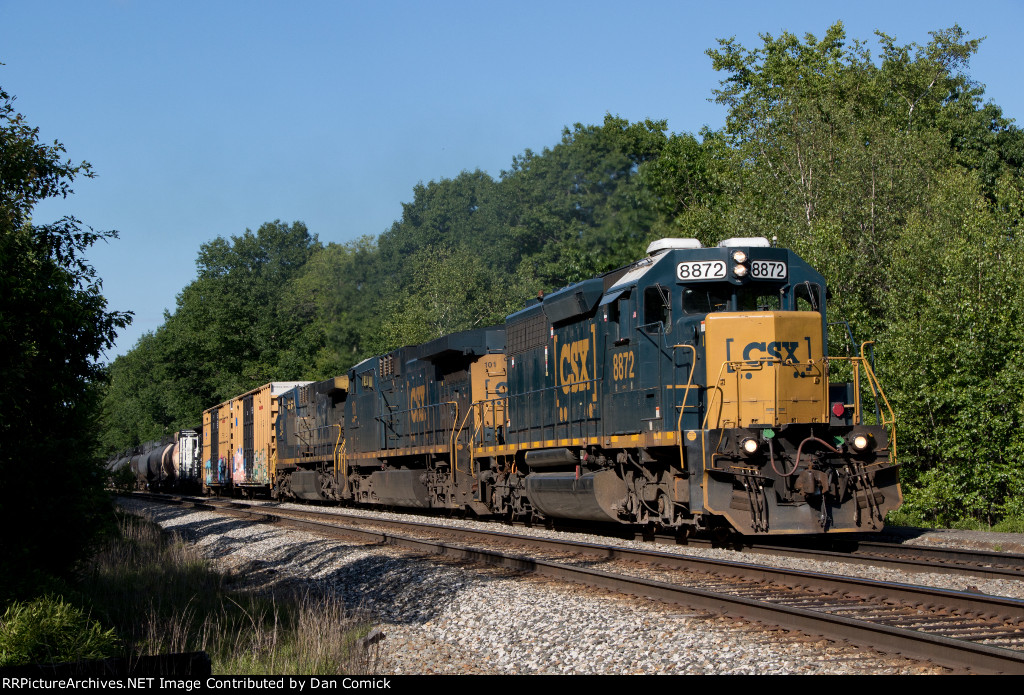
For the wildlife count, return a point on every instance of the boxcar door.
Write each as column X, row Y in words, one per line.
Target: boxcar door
column 248, row 439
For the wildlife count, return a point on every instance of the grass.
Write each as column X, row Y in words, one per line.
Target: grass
column 155, row 594
column 49, row 629
column 904, row 516
column 1011, row 524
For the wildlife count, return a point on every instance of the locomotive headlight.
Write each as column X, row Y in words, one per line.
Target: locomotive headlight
column 860, row 442
column 749, row 445
column 739, row 256
column 740, row 271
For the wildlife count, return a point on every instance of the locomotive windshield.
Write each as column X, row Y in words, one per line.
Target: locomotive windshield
column 707, row 298
column 758, row 298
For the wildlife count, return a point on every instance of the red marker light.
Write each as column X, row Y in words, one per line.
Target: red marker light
column 838, row 409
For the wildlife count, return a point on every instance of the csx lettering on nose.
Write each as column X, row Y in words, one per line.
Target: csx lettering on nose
column 772, row 350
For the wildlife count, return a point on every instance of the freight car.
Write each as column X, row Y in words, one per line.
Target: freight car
column 173, row 463
column 692, row 389
column 239, row 440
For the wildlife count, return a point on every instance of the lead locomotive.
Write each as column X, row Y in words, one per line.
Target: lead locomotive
column 691, row 389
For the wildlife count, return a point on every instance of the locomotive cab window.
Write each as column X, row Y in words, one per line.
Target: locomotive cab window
column 756, row 298
column 806, row 297
column 657, row 308
column 612, row 309
column 626, row 311
column 707, row 298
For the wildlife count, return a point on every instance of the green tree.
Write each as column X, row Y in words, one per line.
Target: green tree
column 451, row 212
column 835, row 149
column 953, row 361
column 137, row 405
column 233, row 328
column 447, row 291
column 581, row 208
column 354, row 306
column 54, row 326
column 334, row 310
column 690, row 184
column 229, row 326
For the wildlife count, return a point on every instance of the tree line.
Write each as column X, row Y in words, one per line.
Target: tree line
column 880, row 163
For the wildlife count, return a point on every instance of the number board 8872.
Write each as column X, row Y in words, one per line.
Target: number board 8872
column 717, row 270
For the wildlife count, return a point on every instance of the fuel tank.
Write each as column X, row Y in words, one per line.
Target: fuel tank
column 594, row 496
column 401, row 488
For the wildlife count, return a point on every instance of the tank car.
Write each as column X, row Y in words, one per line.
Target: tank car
column 172, row 463
column 691, row 389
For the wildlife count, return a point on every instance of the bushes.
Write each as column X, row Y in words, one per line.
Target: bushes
column 151, row 593
column 49, row 629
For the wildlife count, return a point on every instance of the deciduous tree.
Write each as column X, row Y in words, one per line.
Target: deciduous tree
column 54, row 327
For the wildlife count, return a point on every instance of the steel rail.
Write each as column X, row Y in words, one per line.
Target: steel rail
column 951, row 652
column 908, row 558
column 966, row 602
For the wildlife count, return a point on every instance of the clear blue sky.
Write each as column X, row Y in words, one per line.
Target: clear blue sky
column 203, row 119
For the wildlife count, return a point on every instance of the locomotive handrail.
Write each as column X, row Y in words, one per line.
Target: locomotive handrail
column 451, row 440
column 663, row 332
column 760, row 363
column 686, row 393
column 344, row 467
column 528, row 395
column 476, row 408
column 869, row 367
column 642, row 327
column 428, row 425
column 455, row 439
column 477, row 426
column 854, row 361
column 492, row 403
column 876, row 393
column 750, row 365
column 336, row 444
column 707, row 412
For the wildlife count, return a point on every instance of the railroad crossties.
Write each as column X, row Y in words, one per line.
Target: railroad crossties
column 448, row 615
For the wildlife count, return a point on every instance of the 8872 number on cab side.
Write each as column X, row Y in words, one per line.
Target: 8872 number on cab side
column 701, row 270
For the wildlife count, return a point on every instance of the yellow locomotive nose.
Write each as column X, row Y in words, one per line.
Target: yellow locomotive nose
column 765, row 368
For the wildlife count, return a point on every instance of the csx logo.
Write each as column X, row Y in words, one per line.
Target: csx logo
column 572, row 366
column 417, row 396
column 773, row 349
column 756, row 352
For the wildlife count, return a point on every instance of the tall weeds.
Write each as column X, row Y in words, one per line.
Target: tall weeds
column 163, row 597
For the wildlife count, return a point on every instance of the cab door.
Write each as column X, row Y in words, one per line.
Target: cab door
column 622, row 367
column 655, row 340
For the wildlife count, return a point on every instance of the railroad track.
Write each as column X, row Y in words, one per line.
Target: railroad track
column 985, row 564
column 961, row 630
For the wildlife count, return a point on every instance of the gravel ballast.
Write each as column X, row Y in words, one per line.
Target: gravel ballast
column 442, row 616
